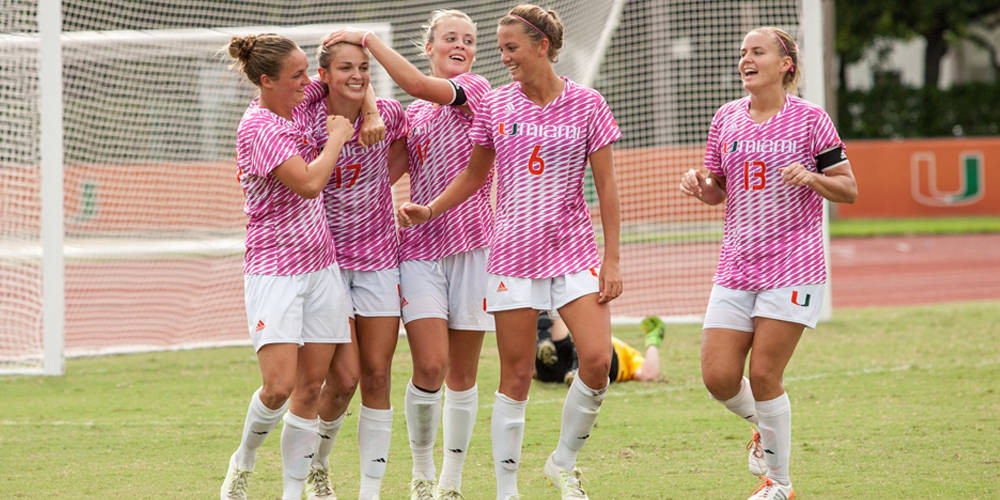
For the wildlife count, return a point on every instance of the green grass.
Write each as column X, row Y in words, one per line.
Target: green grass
column 887, row 403
column 891, row 227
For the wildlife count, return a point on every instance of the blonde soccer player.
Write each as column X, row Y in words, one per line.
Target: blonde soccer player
column 358, row 213
column 295, row 301
column 772, row 157
column 442, row 263
column 542, row 130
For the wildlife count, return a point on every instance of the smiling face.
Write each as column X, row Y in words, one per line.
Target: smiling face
column 291, row 80
column 347, row 72
column 518, row 52
column 763, row 63
column 452, row 48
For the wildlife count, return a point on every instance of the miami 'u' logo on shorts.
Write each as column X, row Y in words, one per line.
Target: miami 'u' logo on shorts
column 795, row 299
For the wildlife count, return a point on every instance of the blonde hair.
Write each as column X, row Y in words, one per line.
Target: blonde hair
column 786, row 45
column 440, row 15
column 324, row 54
column 539, row 24
column 258, row 55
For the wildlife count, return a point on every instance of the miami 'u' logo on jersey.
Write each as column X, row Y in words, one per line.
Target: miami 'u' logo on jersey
column 732, row 147
column 507, row 130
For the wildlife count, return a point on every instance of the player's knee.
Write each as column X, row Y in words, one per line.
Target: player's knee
column 763, row 381
column 274, row 394
column 430, row 374
column 375, row 381
column 720, row 385
column 598, row 363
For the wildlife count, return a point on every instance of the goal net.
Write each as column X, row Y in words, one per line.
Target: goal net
column 153, row 221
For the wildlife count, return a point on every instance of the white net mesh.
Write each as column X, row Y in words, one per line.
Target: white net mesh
column 152, row 208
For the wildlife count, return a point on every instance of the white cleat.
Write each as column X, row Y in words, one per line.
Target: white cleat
column 318, row 485
column 422, row 489
column 755, row 459
column 234, row 487
column 448, row 494
column 772, row 490
column 567, row 481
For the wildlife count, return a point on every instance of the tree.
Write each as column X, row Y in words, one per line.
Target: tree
column 861, row 23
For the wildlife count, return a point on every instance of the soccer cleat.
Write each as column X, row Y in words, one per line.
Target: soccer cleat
column 234, row 487
column 318, row 485
column 422, row 489
column 772, row 490
column 568, row 481
column 448, row 494
column 547, row 352
column 755, row 459
column 570, row 375
column 654, row 328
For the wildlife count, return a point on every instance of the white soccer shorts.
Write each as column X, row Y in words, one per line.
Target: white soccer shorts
column 735, row 309
column 505, row 293
column 452, row 288
column 299, row 309
column 372, row 293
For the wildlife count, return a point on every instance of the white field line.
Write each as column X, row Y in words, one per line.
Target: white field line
column 657, row 389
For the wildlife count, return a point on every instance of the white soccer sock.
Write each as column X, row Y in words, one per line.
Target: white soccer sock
column 580, row 411
column 374, row 435
column 776, row 436
column 258, row 424
column 327, row 436
column 460, row 408
column 742, row 404
column 298, row 445
column 507, row 429
column 423, row 414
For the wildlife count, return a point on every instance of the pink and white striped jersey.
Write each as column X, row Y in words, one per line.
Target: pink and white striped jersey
column 439, row 146
column 773, row 232
column 286, row 233
column 542, row 226
column 358, row 199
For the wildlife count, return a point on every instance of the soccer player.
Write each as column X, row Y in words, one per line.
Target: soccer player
column 541, row 130
column 442, row 263
column 773, row 157
column 295, row 301
column 556, row 359
column 358, row 206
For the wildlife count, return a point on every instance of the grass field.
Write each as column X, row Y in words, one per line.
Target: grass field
column 936, row 225
column 887, row 403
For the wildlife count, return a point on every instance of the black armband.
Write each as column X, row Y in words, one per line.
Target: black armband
column 829, row 158
column 460, row 98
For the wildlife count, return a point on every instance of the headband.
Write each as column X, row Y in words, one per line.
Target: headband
column 540, row 32
column 782, row 42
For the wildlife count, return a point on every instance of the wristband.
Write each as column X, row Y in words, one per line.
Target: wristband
column 364, row 38
column 431, row 212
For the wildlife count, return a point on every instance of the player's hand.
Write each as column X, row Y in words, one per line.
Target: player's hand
column 339, row 127
column 693, row 181
column 796, row 175
column 349, row 35
column 372, row 129
column 410, row 214
column 610, row 280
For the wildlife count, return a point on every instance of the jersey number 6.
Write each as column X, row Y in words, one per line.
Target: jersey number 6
column 536, row 164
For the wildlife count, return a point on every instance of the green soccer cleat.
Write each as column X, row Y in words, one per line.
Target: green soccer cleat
column 654, row 328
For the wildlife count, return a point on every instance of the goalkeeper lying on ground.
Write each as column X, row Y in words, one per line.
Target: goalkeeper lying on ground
column 555, row 355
